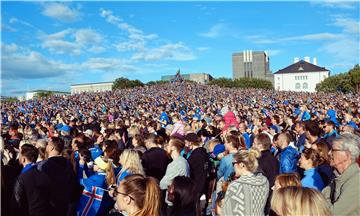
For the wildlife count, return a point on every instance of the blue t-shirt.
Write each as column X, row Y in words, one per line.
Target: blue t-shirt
column 312, row 179
column 247, row 140
column 226, row 168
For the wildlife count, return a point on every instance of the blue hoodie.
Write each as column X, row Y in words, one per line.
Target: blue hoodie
column 288, row 160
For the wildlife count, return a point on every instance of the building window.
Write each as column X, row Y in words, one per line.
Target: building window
column 295, row 77
column 305, row 85
column 297, row 86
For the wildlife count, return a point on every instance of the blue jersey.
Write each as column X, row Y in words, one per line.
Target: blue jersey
column 164, row 117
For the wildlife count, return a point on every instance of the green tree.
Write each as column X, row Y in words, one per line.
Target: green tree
column 242, row 83
column 43, row 94
column 122, row 83
column 345, row 82
column 156, row 82
column 355, row 77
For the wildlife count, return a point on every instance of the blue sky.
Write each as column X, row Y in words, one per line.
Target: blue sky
column 50, row 45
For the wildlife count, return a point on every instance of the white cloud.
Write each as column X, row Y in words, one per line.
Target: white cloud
column 203, row 48
column 73, row 42
column 215, row 31
column 87, row 36
column 61, row 12
column 177, row 52
column 31, row 66
column 8, row 48
column 107, row 14
column 346, row 50
column 108, row 64
column 136, row 40
column 62, row 47
column 58, row 35
column 335, row 4
column 308, row 37
column 97, row 49
column 347, row 24
column 14, row 20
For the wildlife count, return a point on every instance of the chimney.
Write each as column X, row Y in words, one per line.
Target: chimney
column 314, row 61
column 296, row 59
column 307, row 59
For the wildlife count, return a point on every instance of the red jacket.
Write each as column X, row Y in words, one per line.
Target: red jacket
column 230, row 119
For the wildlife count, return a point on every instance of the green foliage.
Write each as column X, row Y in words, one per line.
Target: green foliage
column 242, row 83
column 345, row 83
column 355, row 77
column 157, row 82
column 122, row 83
column 43, row 94
column 9, row 99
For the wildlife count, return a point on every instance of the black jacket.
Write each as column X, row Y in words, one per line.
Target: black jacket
column 269, row 166
column 32, row 194
column 199, row 169
column 155, row 161
column 66, row 189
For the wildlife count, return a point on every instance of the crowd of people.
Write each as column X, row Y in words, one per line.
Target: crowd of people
column 181, row 149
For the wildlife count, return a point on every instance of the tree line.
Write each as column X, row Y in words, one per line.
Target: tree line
column 345, row 82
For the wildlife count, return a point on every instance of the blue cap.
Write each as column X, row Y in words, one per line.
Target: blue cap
column 65, row 128
column 218, row 149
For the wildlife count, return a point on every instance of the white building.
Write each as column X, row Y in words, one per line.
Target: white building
column 31, row 94
column 300, row 76
column 91, row 87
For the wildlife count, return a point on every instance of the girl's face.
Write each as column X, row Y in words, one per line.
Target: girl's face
column 122, row 201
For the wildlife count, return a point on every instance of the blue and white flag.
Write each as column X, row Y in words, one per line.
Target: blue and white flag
column 90, row 201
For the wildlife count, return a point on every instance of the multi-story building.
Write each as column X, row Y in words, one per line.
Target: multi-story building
column 251, row 64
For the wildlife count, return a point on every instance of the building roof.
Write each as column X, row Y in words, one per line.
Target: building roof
column 301, row 67
column 92, row 83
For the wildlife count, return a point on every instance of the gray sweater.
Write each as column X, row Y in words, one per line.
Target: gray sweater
column 178, row 167
column 246, row 196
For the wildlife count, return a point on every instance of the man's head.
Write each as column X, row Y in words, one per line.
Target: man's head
column 175, row 146
column 300, row 127
column 262, row 142
column 232, row 142
column 345, row 150
column 28, row 154
column 242, row 127
column 312, row 129
column 191, row 139
column 55, row 147
column 329, row 126
column 283, row 140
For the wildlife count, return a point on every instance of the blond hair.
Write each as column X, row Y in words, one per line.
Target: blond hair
column 248, row 158
column 105, row 164
column 292, row 201
column 288, row 179
column 145, row 192
column 130, row 160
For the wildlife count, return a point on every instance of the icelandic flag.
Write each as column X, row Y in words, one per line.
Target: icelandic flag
column 90, row 201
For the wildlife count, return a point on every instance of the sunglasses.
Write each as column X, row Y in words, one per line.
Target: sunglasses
column 116, row 193
column 233, row 163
